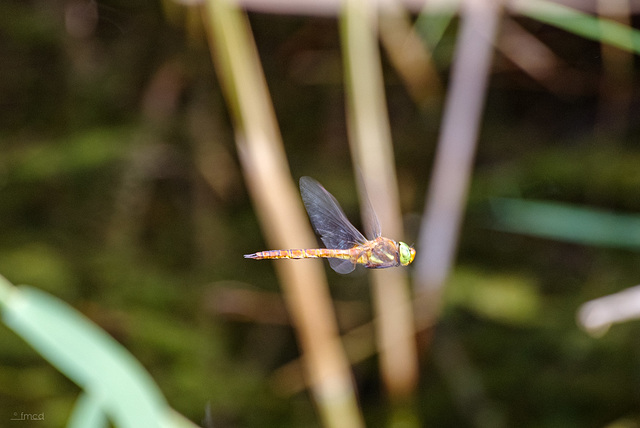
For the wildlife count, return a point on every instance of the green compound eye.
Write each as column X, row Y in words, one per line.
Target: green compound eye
column 407, row 253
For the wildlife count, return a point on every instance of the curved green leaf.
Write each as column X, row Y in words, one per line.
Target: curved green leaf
column 87, row 355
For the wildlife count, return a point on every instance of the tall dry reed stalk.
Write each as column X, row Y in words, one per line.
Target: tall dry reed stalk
column 372, row 153
column 280, row 213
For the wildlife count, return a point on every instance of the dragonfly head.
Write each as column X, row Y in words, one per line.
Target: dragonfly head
column 407, row 253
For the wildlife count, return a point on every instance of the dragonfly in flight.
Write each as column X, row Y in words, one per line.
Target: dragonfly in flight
column 346, row 246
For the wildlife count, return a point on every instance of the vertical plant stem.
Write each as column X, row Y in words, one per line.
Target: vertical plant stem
column 409, row 55
column 370, row 139
column 280, row 211
column 454, row 158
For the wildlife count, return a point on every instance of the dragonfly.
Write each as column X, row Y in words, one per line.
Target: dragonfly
column 346, row 246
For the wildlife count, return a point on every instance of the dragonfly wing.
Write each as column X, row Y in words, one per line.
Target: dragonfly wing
column 328, row 219
column 372, row 225
column 342, row 265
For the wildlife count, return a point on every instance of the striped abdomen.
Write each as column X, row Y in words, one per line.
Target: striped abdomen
column 312, row 253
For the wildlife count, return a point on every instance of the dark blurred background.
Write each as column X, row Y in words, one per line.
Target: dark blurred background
column 121, row 194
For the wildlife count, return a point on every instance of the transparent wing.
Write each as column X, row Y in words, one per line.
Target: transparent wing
column 329, row 221
column 341, row 265
column 371, row 224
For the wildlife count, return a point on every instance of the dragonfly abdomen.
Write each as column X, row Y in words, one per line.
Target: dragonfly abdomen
column 312, row 253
